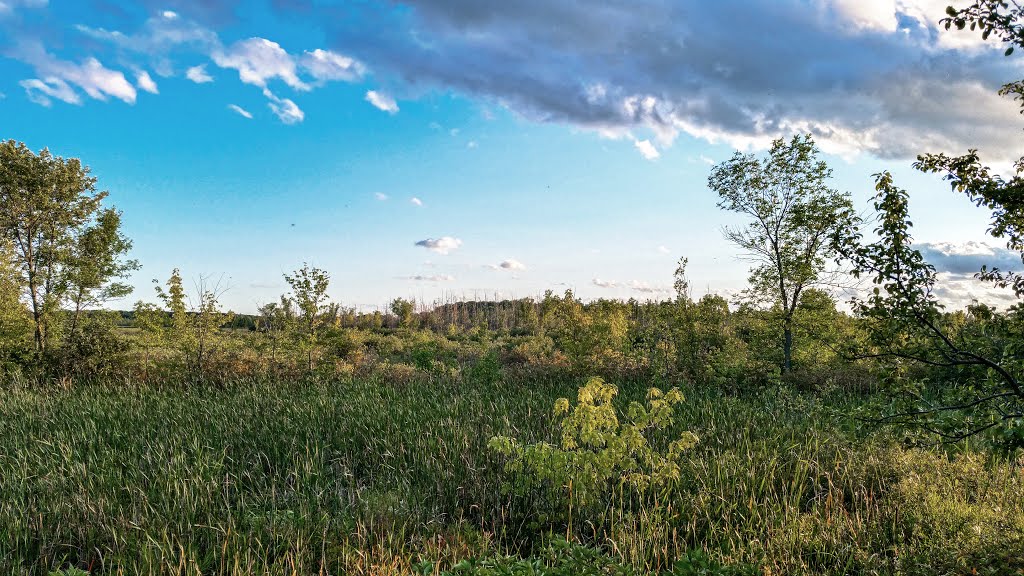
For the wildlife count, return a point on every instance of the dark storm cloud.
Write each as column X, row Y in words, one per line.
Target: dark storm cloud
column 718, row 70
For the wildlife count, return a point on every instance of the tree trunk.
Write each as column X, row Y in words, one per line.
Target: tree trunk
column 787, row 345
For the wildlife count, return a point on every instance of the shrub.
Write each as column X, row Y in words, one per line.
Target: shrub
column 598, row 454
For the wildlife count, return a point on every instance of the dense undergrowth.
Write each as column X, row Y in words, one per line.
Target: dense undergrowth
column 376, row 475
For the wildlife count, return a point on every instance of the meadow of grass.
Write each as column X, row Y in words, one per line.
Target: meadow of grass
column 375, row 475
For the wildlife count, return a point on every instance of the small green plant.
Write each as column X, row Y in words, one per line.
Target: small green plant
column 597, row 453
column 72, row 571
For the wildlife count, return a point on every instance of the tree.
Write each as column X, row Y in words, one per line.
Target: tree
column 405, row 310
column 66, row 246
column 15, row 322
column 984, row 353
column 793, row 215
column 980, row 350
column 276, row 320
column 93, row 265
column 194, row 324
column 309, row 292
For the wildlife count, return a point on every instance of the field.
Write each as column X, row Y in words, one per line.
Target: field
column 387, row 475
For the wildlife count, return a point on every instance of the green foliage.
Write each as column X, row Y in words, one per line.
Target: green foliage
column 69, row 572
column 590, row 336
column 597, row 453
column 309, row 293
column 192, row 326
column 15, row 321
column 979, row 352
column 64, row 245
column 562, row 558
column 369, row 475
column 405, row 310
column 95, row 352
column 793, row 214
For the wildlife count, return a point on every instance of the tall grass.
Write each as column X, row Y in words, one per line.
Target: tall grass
column 372, row 476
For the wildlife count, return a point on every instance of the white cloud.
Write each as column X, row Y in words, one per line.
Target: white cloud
column 58, row 76
column 645, row 288
column 8, row 6
column 380, row 196
column 863, row 76
column 877, row 15
column 471, row 144
column 510, row 264
column 633, row 285
column 40, row 91
column 647, row 150
column 284, row 108
column 325, row 65
column 259, row 60
column 145, row 82
column 241, row 111
column 664, row 250
column 442, row 245
column 956, row 291
column 706, row 160
column 431, row 278
column 159, row 36
column 968, row 257
column 416, row 201
column 198, row 74
column 382, row 101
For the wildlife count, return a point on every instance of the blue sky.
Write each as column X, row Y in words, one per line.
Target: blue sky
column 478, row 148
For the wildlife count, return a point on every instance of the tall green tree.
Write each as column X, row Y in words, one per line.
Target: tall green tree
column 96, row 266
column 15, row 322
column 792, row 215
column 309, row 292
column 66, row 246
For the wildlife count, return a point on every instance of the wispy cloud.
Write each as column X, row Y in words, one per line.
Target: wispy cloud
column 58, row 78
column 284, row 108
column 633, row 285
column 241, row 111
column 442, row 245
column 416, row 201
column 198, row 74
column 664, row 250
column 380, row 196
column 431, row 278
column 382, row 101
column 325, row 65
column 258, row 61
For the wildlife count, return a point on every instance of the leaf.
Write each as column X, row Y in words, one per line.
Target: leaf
column 1008, row 51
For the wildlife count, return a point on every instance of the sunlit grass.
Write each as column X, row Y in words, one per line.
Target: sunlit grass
column 376, row 476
